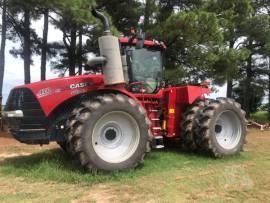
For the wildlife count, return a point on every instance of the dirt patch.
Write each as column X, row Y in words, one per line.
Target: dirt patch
column 7, row 140
column 100, row 193
column 9, row 147
column 11, row 155
column 4, row 133
column 114, row 193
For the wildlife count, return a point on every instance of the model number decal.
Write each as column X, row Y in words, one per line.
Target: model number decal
column 44, row 92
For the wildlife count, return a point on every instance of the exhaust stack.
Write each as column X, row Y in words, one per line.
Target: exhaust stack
column 109, row 48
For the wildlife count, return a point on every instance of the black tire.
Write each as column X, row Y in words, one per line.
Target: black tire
column 188, row 142
column 66, row 148
column 63, row 146
column 221, row 128
column 84, row 133
column 70, row 130
column 60, row 120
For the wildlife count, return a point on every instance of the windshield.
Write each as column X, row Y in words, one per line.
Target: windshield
column 145, row 66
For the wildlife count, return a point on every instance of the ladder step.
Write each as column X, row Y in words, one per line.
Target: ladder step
column 157, row 128
column 156, row 134
column 155, row 119
column 159, row 146
column 158, row 137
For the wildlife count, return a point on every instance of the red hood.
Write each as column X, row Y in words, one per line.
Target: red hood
column 52, row 93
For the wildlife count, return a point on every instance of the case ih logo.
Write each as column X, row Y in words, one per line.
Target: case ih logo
column 79, row 85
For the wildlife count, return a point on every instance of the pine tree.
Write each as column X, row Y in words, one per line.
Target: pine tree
column 74, row 20
column 193, row 39
column 20, row 16
column 3, row 48
column 264, row 6
column 257, row 31
column 44, row 44
column 232, row 15
column 124, row 14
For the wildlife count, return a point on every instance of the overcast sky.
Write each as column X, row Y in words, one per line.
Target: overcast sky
column 14, row 72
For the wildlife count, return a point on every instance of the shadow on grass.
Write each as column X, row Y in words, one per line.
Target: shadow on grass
column 55, row 165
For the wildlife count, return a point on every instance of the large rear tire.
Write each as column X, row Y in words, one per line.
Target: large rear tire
column 111, row 132
column 221, row 128
column 188, row 142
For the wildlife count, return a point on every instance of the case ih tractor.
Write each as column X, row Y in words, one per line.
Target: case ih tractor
column 109, row 121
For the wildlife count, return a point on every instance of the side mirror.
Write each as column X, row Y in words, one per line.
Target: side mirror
column 140, row 40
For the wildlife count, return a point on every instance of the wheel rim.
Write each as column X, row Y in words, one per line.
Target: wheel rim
column 228, row 129
column 116, row 137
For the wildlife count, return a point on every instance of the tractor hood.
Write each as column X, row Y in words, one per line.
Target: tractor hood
column 51, row 93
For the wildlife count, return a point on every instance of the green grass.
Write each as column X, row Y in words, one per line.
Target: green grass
column 260, row 116
column 167, row 176
column 55, row 165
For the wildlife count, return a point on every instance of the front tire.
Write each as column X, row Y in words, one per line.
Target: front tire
column 221, row 128
column 111, row 132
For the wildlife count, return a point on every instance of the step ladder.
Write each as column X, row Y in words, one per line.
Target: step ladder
column 158, row 142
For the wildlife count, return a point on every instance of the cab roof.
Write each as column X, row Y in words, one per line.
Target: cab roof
column 147, row 43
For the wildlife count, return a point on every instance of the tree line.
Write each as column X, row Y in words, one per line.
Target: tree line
column 226, row 41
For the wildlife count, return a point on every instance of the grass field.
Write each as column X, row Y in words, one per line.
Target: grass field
column 34, row 174
column 260, row 116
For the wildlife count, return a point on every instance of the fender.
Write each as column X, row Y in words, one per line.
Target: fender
column 189, row 94
column 178, row 99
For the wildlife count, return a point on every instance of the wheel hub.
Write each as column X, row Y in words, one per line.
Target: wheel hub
column 110, row 134
column 218, row 128
column 115, row 137
column 228, row 129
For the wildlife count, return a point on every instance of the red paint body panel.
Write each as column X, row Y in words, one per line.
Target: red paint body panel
column 177, row 99
column 147, row 43
column 169, row 102
column 171, row 117
column 188, row 94
column 52, row 93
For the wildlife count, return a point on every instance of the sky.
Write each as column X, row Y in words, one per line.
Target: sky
column 14, row 72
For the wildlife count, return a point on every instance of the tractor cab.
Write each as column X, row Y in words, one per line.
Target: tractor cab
column 144, row 64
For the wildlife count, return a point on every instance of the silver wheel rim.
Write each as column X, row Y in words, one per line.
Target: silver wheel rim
column 228, row 130
column 115, row 137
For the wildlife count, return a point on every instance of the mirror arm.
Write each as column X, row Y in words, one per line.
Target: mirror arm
column 96, row 61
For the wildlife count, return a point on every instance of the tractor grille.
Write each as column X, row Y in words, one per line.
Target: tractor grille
column 23, row 99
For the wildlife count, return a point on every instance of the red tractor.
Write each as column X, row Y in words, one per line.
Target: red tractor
column 109, row 121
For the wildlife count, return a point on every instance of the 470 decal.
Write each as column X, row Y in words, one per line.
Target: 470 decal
column 44, row 92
